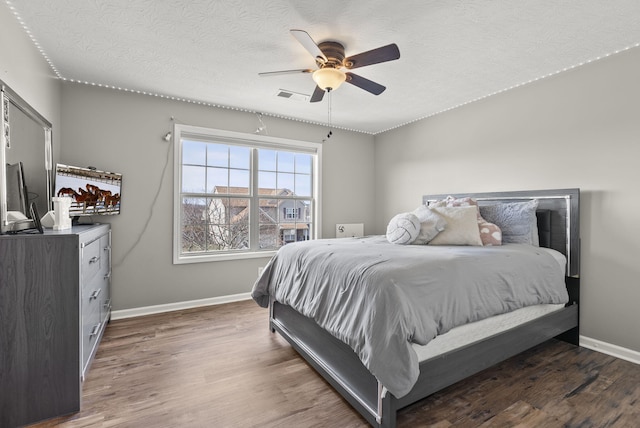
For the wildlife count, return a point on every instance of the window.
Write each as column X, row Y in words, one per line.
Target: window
column 242, row 195
column 291, row 213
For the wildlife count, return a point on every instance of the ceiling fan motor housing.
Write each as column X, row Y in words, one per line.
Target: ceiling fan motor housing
column 334, row 52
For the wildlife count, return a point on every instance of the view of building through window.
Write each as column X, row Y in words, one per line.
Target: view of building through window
column 237, row 198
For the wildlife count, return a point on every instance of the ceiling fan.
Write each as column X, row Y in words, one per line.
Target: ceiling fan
column 330, row 59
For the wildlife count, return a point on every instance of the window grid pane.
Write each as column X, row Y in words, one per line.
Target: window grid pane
column 194, row 236
column 228, row 223
column 284, row 220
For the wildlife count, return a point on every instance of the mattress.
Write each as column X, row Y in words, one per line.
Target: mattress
column 468, row 334
column 477, row 331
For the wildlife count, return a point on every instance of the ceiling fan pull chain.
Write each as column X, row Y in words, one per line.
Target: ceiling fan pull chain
column 329, row 113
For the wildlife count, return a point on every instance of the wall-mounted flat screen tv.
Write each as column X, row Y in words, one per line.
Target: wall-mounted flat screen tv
column 93, row 192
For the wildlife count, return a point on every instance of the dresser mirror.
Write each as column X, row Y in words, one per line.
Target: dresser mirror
column 25, row 157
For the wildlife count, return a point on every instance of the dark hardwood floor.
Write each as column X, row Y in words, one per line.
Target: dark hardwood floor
column 220, row 366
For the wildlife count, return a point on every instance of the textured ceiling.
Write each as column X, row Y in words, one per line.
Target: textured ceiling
column 211, row 51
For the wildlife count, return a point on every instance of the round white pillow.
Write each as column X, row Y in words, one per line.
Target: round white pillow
column 403, row 229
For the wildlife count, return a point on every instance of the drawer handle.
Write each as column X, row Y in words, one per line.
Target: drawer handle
column 107, row 248
column 95, row 330
column 107, row 304
column 107, row 275
column 95, row 294
column 94, row 259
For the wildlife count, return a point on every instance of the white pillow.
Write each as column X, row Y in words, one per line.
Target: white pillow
column 403, row 229
column 462, row 226
column 431, row 223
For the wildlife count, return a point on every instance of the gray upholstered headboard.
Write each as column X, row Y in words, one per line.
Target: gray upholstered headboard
column 558, row 217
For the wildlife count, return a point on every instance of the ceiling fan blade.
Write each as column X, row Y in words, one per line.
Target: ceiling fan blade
column 366, row 84
column 317, row 96
column 277, row 73
column 307, row 42
column 374, row 56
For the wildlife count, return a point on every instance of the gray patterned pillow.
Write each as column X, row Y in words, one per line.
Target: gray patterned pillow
column 517, row 220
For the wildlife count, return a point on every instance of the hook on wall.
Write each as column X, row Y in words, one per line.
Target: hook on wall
column 168, row 135
column 262, row 127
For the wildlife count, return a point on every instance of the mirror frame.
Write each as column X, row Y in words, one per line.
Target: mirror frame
column 8, row 96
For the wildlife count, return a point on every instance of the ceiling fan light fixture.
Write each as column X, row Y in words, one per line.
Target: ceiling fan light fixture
column 329, row 78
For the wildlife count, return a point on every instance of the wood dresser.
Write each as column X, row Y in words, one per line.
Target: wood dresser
column 54, row 306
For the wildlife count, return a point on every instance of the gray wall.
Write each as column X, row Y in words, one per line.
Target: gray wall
column 580, row 129
column 122, row 132
column 25, row 70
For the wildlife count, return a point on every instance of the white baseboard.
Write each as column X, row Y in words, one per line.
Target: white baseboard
column 610, row 349
column 149, row 310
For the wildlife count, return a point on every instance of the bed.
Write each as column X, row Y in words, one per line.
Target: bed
column 441, row 361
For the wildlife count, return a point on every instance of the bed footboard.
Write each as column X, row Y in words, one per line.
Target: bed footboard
column 445, row 370
column 341, row 367
column 335, row 361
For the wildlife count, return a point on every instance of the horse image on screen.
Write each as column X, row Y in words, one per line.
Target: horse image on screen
column 93, row 192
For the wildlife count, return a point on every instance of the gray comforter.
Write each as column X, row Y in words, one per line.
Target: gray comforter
column 379, row 298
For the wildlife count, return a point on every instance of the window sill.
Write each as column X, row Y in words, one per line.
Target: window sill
column 223, row 257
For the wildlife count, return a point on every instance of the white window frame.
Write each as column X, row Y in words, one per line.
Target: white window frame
column 249, row 140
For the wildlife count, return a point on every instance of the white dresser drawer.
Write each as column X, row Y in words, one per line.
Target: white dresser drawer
column 105, row 253
column 90, row 262
column 92, row 295
column 91, row 329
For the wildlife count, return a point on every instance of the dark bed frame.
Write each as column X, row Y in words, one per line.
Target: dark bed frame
column 558, row 225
